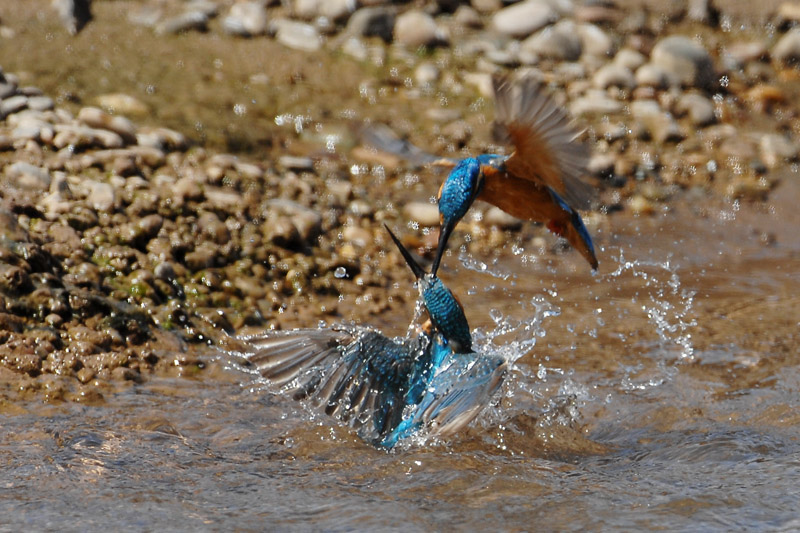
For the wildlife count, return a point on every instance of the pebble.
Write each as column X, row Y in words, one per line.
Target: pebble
column 161, row 138
column 560, row 41
column 614, row 75
column 81, row 137
column 298, row 35
column 522, row 19
column 122, row 104
column 467, row 17
column 659, row 124
column 416, row 28
column 775, row 149
column 375, row 21
column 685, row 61
column 632, row 59
column 424, row 213
column 650, row 75
column 495, row 216
column 40, row 103
column 307, row 221
column 27, row 176
column 297, row 163
column 101, row 197
column 743, row 53
column 97, row 118
column 359, row 237
column 13, row 104
column 595, row 41
column 595, row 102
column 246, row 19
column 699, row 109
column 787, row 49
column 426, row 74
column 73, row 14
column 196, row 20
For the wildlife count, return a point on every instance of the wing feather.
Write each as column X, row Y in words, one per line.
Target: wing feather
column 546, row 145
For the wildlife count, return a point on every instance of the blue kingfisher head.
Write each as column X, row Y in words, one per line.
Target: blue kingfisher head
column 456, row 195
column 443, row 307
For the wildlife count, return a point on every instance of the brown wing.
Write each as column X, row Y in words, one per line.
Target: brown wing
column 529, row 201
column 547, row 150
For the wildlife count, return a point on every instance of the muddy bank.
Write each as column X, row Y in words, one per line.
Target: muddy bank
column 148, row 206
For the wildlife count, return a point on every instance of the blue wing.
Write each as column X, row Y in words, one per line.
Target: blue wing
column 356, row 375
column 456, row 395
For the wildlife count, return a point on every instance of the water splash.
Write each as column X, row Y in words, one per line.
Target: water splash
column 668, row 305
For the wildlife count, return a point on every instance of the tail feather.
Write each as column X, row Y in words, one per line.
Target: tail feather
column 571, row 227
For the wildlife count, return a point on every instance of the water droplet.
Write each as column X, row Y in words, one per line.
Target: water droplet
column 340, row 272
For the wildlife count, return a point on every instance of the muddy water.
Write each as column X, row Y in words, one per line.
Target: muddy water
column 661, row 392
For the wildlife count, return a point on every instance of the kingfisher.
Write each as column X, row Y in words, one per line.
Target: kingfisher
column 387, row 389
column 541, row 180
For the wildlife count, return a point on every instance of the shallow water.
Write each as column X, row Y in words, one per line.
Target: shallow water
column 660, row 393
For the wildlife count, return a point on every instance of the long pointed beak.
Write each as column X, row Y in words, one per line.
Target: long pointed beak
column 444, row 235
column 415, row 268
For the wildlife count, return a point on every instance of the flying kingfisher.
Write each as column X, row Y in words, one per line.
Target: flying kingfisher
column 539, row 181
column 387, row 389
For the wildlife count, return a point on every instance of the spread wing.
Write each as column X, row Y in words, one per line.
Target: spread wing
column 546, row 145
column 455, row 396
column 356, row 375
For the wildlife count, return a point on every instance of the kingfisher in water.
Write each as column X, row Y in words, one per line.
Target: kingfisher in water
column 540, row 181
column 387, row 389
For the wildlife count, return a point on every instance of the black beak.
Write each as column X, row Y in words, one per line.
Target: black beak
column 444, row 235
column 415, row 268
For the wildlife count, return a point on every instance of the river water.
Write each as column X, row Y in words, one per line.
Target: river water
column 660, row 393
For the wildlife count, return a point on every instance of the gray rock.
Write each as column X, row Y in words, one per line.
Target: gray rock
column 699, row 109
column 298, row 35
column 614, row 75
column 188, row 21
column 246, row 19
column 775, row 149
column 372, row 22
column 685, row 61
column 416, row 28
column 522, row 19
column 560, row 41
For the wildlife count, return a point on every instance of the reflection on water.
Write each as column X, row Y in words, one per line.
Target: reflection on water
column 661, row 392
